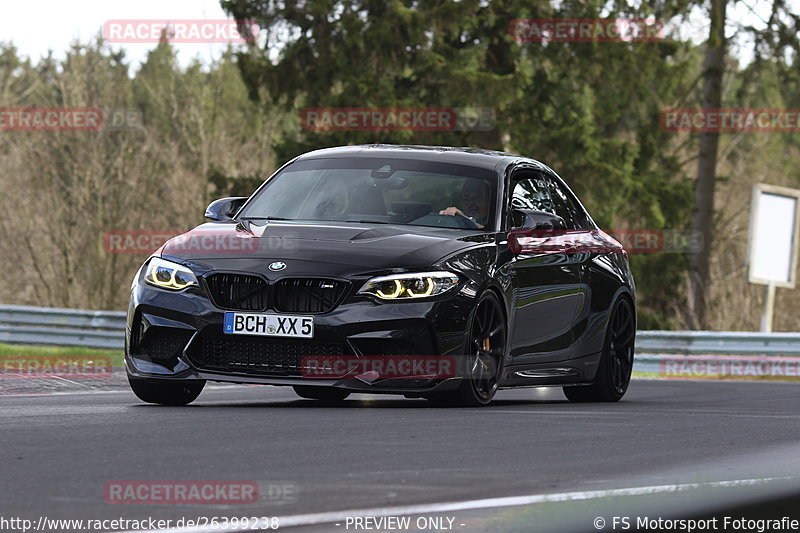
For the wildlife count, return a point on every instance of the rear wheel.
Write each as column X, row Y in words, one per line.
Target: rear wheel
column 486, row 348
column 328, row 394
column 166, row 392
column 616, row 362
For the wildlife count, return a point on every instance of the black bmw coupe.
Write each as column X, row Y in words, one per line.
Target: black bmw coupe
column 432, row 272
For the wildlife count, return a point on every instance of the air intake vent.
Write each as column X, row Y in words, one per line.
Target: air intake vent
column 258, row 355
column 161, row 343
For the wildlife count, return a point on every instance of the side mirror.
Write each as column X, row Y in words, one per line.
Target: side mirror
column 224, row 208
column 536, row 232
column 537, row 220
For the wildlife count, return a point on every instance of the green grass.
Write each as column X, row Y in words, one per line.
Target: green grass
column 13, row 350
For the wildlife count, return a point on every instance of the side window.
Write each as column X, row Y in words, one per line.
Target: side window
column 566, row 207
column 532, row 192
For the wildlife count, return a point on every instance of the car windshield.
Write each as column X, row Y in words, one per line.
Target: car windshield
column 379, row 190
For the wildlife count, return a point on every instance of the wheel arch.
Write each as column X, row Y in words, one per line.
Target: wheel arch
column 623, row 292
column 491, row 285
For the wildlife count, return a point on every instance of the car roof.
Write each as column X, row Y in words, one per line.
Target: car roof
column 476, row 157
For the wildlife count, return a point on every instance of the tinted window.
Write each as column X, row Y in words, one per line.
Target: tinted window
column 532, row 193
column 566, row 207
column 391, row 191
column 540, row 192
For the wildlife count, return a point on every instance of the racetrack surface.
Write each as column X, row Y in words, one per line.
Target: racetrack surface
column 60, row 450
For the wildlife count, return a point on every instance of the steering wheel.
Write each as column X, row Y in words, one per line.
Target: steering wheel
column 464, row 222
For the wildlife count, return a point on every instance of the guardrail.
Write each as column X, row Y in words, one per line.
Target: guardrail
column 717, row 354
column 717, row 343
column 105, row 329
column 62, row 327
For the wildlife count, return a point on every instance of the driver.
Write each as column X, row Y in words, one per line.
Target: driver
column 475, row 200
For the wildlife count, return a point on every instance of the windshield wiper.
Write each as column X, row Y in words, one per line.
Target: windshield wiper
column 370, row 221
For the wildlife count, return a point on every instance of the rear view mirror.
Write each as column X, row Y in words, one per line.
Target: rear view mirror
column 384, row 172
column 224, row 208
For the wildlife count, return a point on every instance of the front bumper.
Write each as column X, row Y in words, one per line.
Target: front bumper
column 179, row 336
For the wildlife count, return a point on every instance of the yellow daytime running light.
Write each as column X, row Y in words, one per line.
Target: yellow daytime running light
column 410, row 286
column 398, row 290
column 428, row 291
column 168, row 275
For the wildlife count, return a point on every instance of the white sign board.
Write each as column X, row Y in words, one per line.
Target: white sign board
column 773, row 241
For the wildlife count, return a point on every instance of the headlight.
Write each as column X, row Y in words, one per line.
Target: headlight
column 410, row 286
column 169, row 275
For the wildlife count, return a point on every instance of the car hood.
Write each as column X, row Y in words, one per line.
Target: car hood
column 318, row 248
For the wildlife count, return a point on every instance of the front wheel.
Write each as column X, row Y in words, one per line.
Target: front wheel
column 166, row 392
column 485, row 352
column 616, row 361
column 328, row 394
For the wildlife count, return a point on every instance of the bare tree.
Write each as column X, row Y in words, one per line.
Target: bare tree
column 703, row 216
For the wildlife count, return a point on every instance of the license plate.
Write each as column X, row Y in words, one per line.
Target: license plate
column 269, row 325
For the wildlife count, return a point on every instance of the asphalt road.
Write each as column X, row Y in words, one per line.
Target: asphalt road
column 60, row 450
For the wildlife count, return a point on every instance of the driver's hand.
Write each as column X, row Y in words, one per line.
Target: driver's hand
column 452, row 211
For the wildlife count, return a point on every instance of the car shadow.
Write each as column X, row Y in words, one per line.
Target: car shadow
column 357, row 403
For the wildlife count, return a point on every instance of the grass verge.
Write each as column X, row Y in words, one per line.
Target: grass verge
column 16, row 350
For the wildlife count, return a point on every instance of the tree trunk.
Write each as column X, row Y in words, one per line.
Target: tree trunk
column 703, row 218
